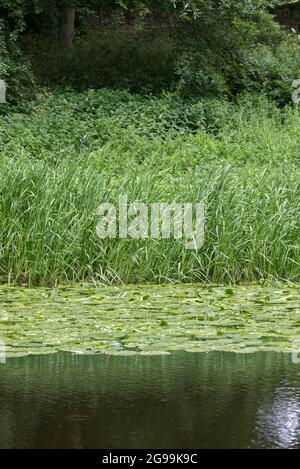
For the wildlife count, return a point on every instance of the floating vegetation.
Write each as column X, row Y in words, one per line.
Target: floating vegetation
column 149, row 319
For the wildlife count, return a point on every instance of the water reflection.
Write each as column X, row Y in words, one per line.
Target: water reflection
column 279, row 420
column 214, row 400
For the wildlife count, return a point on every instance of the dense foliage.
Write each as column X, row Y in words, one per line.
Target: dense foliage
column 214, row 47
column 214, row 131
column 71, row 152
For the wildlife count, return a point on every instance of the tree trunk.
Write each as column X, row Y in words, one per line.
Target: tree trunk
column 67, row 27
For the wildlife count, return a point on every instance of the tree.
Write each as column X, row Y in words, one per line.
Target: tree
column 218, row 41
column 67, row 26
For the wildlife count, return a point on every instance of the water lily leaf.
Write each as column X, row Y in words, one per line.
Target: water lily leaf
column 114, row 320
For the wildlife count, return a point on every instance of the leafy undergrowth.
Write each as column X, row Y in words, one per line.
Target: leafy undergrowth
column 150, row 320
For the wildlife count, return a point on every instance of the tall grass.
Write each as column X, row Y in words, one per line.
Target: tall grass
column 72, row 152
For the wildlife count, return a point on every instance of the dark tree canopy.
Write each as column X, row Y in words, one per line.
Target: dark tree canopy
column 221, row 46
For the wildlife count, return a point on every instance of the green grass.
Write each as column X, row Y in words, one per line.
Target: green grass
column 71, row 152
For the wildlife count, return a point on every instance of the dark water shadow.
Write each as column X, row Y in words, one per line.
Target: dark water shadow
column 184, row 400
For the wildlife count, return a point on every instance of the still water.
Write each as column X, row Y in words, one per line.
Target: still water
column 182, row 400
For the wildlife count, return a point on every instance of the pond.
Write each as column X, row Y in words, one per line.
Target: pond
column 181, row 400
column 186, row 366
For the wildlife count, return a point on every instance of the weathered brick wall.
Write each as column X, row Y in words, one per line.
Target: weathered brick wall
column 127, row 23
column 288, row 14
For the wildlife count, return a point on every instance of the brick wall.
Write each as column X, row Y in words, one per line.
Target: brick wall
column 288, row 14
column 158, row 24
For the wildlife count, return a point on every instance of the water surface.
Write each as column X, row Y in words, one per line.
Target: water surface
column 182, row 400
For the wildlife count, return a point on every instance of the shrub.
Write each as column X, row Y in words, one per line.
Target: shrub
column 106, row 59
column 16, row 70
column 271, row 69
column 199, row 72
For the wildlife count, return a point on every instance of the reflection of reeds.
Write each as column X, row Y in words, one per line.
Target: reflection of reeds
column 215, row 400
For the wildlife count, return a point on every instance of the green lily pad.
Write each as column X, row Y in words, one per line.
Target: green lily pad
column 148, row 320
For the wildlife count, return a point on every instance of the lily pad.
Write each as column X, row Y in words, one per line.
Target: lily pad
column 149, row 320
